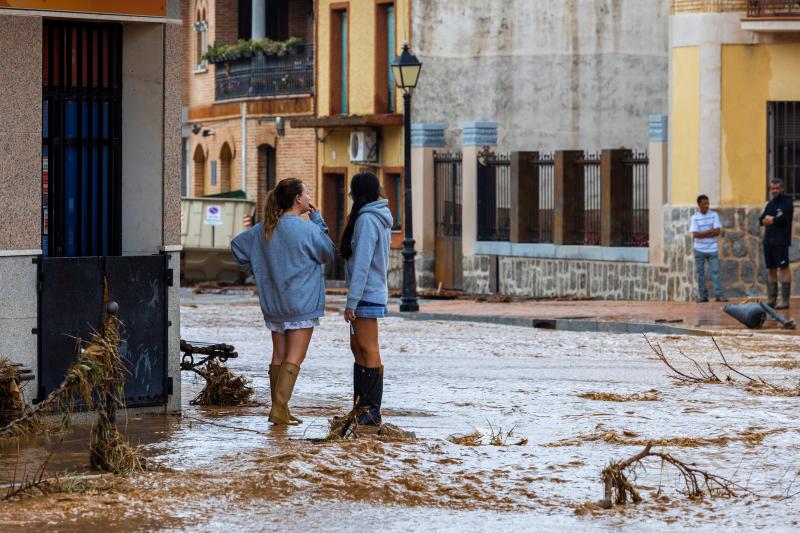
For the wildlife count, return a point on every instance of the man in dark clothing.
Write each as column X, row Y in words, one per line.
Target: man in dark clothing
column 777, row 221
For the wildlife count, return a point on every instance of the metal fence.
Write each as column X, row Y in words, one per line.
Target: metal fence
column 636, row 220
column 589, row 196
column 783, row 141
column 494, row 197
column 447, row 177
column 773, row 8
column 540, row 227
column 261, row 75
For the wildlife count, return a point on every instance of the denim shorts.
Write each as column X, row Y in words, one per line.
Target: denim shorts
column 370, row 310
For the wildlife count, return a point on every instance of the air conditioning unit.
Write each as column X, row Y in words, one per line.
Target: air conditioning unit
column 363, row 147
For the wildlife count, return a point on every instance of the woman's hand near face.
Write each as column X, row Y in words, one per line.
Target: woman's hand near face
column 312, row 208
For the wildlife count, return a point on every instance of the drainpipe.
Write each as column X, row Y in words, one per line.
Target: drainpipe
column 259, row 18
column 243, row 107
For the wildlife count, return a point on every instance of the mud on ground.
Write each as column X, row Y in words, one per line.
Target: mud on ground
column 224, row 468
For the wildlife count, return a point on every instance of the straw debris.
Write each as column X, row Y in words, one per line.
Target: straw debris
column 751, row 437
column 650, row 396
column 223, row 388
column 346, row 428
column 496, row 437
column 12, row 404
column 97, row 379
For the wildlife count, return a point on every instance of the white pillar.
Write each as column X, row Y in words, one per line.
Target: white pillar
column 259, row 18
column 710, row 121
column 657, row 172
column 425, row 138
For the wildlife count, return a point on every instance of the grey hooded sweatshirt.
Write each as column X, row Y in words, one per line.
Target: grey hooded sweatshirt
column 367, row 267
column 288, row 267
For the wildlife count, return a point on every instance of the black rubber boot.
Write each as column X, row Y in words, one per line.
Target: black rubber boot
column 358, row 380
column 373, row 390
column 772, row 294
column 786, row 294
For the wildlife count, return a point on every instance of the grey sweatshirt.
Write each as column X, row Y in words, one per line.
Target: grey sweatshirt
column 288, row 267
column 366, row 268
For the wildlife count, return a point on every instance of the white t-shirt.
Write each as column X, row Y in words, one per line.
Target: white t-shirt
column 701, row 222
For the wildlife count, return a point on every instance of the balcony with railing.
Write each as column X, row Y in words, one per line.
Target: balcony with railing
column 772, row 16
column 773, row 8
column 261, row 75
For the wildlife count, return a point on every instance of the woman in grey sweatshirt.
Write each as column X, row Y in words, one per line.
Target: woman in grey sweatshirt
column 365, row 246
column 285, row 255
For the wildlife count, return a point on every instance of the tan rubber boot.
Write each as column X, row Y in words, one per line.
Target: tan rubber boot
column 274, row 370
column 287, row 376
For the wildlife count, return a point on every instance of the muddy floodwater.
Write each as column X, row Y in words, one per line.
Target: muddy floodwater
column 546, row 395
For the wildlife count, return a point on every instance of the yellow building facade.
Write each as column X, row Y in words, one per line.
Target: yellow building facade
column 734, row 124
column 730, row 68
column 356, row 41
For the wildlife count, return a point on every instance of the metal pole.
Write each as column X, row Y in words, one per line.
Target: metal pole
column 244, row 147
column 408, row 300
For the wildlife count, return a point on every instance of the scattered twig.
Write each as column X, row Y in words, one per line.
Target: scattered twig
column 617, row 488
column 705, row 374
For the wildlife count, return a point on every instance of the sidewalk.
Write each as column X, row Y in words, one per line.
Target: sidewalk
column 596, row 315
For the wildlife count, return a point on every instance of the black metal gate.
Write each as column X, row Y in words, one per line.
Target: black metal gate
column 494, row 197
column 81, row 138
column 447, row 252
column 71, row 308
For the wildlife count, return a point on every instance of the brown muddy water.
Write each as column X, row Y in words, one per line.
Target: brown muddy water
column 571, row 401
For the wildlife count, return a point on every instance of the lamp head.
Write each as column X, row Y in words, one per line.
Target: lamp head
column 406, row 69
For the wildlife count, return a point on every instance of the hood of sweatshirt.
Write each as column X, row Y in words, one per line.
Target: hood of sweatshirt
column 380, row 208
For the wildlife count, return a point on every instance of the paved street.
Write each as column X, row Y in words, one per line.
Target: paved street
column 227, row 468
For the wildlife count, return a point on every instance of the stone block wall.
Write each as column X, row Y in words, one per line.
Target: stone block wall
column 423, row 266
column 742, row 267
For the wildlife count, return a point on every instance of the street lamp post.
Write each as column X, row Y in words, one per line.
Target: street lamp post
column 406, row 68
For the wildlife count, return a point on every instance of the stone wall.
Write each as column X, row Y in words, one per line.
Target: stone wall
column 741, row 266
column 423, row 266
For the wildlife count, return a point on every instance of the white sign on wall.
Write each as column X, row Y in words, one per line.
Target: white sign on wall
column 213, row 215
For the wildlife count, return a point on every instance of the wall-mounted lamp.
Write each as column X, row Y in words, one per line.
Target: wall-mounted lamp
column 197, row 128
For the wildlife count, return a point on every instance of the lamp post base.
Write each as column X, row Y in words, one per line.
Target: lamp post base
column 408, row 299
column 409, row 307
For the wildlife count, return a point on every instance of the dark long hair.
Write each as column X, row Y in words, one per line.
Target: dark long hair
column 364, row 188
column 279, row 200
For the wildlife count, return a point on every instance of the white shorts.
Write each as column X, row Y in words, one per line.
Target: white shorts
column 282, row 327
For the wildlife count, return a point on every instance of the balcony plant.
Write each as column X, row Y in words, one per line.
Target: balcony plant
column 224, row 53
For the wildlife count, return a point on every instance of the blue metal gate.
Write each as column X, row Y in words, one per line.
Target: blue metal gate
column 71, row 308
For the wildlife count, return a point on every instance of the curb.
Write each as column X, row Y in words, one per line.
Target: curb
column 560, row 324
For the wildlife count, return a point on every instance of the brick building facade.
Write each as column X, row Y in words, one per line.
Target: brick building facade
column 242, row 140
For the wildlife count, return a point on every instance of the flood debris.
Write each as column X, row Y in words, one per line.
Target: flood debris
column 724, row 373
column 347, row 427
column 496, row 437
column 751, row 438
column 97, row 380
column 223, row 387
column 698, row 483
column 649, row 396
column 12, row 404
column 470, row 439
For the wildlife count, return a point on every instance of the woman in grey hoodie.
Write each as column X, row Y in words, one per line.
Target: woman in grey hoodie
column 285, row 255
column 365, row 246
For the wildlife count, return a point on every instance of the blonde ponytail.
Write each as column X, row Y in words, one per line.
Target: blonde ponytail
column 272, row 213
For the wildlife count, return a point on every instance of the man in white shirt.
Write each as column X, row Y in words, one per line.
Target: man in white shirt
column 706, row 227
